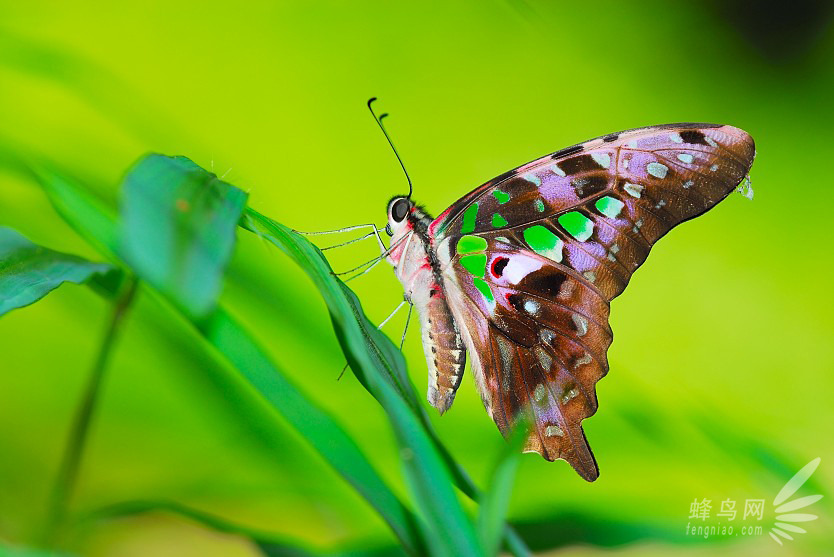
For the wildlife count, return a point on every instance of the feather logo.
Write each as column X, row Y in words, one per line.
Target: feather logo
column 786, row 518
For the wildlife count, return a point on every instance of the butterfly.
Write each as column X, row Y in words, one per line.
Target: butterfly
column 519, row 273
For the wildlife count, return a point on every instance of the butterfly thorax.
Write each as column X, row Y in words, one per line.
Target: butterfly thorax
column 418, row 269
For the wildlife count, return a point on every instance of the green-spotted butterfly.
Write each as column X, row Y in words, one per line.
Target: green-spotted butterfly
column 519, row 273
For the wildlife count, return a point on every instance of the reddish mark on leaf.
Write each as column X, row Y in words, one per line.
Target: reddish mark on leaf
column 183, row 205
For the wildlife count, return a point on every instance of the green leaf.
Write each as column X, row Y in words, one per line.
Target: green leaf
column 380, row 367
column 86, row 214
column 29, row 272
column 178, row 229
column 496, row 499
column 347, row 315
column 320, row 430
column 237, row 346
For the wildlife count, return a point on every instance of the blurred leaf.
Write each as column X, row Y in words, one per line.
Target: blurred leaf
column 29, row 272
column 496, row 499
column 238, row 347
column 86, row 214
column 11, row 551
column 178, row 229
column 381, row 368
column 270, row 544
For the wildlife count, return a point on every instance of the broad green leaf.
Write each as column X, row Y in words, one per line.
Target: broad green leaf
column 29, row 272
column 496, row 499
column 237, row 346
column 178, row 229
column 379, row 366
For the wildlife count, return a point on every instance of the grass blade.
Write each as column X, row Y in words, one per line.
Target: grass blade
column 77, row 441
column 29, row 272
column 496, row 500
column 320, row 430
column 380, row 367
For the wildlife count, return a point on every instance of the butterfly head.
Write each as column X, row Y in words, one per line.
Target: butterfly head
column 398, row 211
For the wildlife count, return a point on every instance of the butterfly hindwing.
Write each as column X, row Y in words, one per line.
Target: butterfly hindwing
column 531, row 259
column 538, row 345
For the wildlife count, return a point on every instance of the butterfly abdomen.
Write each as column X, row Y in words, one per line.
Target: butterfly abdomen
column 418, row 270
column 443, row 346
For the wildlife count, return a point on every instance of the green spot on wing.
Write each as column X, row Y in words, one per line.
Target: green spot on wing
column 539, row 205
column 471, row 244
column 609, row 206
column 501, row 196
column 475, row 264
column 469, row 218
column 577, row 225
column 483, row 288
column 498, row 221
column 544, row 242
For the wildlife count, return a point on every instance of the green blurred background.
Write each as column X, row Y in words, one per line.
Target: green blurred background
column 721, row 368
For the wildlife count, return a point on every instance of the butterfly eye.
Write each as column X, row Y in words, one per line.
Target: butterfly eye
column 399, row 210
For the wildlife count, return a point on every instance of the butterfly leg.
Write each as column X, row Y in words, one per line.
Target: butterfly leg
column 392, row 314
column 374, row 232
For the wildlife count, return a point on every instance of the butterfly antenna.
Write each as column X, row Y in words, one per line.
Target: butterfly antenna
column 378, row 120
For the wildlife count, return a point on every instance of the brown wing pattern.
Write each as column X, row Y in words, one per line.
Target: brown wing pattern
column 537, row 346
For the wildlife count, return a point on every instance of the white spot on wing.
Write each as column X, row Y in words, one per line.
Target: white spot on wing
column 581, row 324
column 686, row 158
column 553, row 431
column 531, row 307
column 530, row 177
column 634, row 190
column 657, row 170
column 586, row 359
column 556, row 170
column 602, row 159
column 676, row 137
column 518, row 268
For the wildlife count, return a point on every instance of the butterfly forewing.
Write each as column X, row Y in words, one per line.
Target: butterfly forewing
column 532, row 258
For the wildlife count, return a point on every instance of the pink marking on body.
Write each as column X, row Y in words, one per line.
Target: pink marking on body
column 436, row 222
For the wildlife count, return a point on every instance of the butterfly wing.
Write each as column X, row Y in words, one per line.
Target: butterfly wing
column 531, row 260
